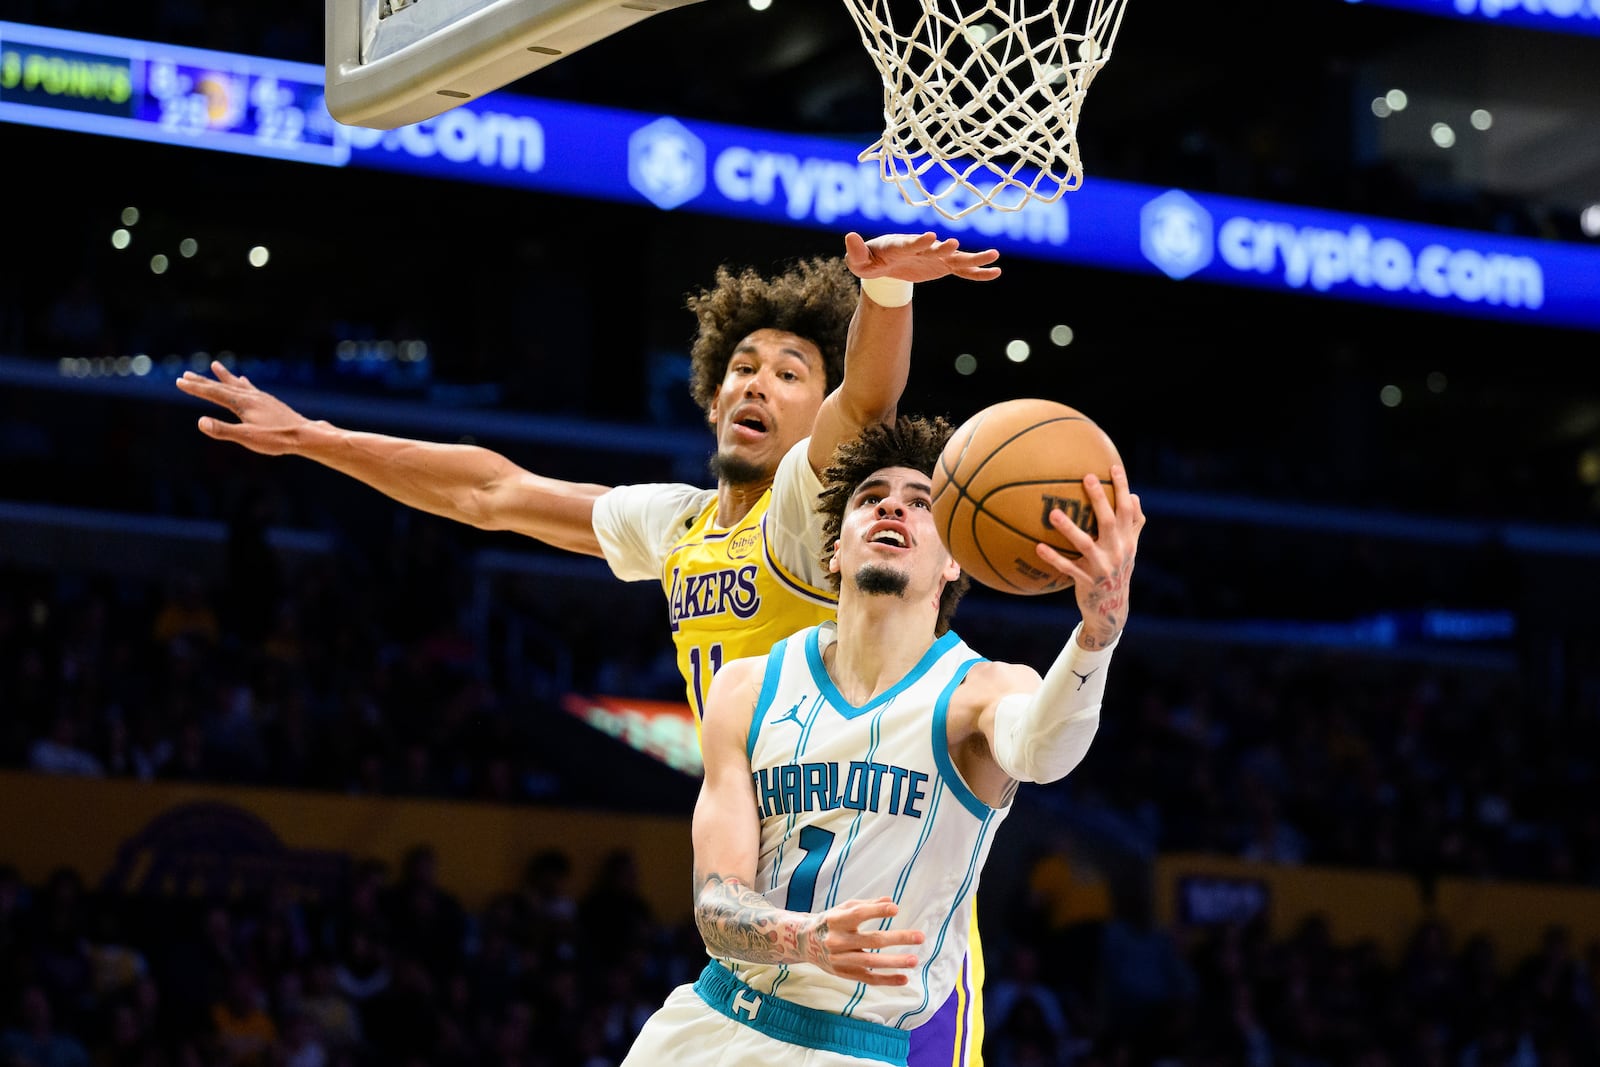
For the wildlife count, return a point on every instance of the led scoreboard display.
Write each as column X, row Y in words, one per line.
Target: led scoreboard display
column 164, row 93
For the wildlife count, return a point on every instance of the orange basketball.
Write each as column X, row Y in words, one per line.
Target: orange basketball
column 999, row 476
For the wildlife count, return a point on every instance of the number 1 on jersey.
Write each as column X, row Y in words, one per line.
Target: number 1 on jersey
column 701, row 676
column 816, row 843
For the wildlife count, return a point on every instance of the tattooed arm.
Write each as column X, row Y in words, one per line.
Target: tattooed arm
column 735, row 920
column 1100, row 576
column 1006, row 724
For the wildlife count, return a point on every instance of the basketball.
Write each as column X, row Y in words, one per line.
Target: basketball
column 998, row 478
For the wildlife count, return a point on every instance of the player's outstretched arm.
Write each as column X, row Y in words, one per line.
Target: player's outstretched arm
column 878, row 347
column 734, row 919
column 1038, row 729
column 461, row 482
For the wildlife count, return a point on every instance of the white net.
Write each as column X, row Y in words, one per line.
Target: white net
column 981, row 99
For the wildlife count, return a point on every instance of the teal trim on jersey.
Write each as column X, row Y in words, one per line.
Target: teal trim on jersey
column 969, row 884
column 796, row 1024
column 874, row 739
column 769, row 687
column 803, row 742
column 905, row 877
column 941, row 745
column 928, row 823
column 819, row 674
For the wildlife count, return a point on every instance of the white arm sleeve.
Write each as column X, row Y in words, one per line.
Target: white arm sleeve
column 637, row 525
column 1041, row 736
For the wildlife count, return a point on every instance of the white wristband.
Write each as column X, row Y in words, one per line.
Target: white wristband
column 887, row 292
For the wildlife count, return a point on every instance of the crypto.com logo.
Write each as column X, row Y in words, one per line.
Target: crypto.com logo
column 1175, row 234
column 666, row 163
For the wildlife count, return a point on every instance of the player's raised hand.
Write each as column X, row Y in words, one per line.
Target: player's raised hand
column 266, row 424
column 835, row 942
column 917, row 257
column 1104, row 570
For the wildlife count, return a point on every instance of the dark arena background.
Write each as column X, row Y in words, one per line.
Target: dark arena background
column 293, row 775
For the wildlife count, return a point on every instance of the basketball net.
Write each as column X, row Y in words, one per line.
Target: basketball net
column 981, row 105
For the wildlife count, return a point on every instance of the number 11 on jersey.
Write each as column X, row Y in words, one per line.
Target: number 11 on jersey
column 703, row 663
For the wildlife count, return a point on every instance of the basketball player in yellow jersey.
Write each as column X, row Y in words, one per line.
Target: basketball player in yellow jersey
column 786, row 367
column 728, row 585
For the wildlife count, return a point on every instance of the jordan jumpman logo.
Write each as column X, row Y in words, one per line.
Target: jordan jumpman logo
column 792, row 715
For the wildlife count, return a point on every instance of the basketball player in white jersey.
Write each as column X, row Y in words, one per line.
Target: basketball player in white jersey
column 786, row 367
column 856, row 774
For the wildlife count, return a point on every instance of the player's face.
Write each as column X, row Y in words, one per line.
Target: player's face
column 888, row 542
column 767, row 401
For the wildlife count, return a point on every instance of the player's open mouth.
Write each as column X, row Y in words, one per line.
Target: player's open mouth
column 749, row 431
column 749, row 420
column 893, row 538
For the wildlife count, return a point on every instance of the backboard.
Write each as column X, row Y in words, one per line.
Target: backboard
column 390, row 63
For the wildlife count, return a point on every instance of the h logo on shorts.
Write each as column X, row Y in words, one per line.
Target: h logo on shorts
column 749, row 1005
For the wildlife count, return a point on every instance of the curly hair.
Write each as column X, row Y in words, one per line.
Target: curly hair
column 911, row 441
column 815, row 299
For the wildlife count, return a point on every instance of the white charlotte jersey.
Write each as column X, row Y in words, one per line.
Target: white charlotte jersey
column 864, row 802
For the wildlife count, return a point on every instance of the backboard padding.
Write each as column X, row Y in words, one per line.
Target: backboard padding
column 432, row 55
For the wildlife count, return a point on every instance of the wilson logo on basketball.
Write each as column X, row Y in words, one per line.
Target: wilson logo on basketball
column 1079, row 511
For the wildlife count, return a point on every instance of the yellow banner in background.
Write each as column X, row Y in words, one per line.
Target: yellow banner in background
column 191, row 839
column 1384, row 907
column 1201, row 890
column 194, row 839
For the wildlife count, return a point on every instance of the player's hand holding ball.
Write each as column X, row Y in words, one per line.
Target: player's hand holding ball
column 1103, row 569
column 1030, row 496
column 1002, row 477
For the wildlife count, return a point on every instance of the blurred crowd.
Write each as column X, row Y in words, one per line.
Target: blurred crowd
column 1122, row 990
column 386, row 665
column 374, row 675
column 394, row 971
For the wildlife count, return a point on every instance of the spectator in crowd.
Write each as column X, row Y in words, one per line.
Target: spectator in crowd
column 59, row 751
column 245, row 1033
column 34, row 1041
column 332, row 1012
column 614, row 918
column 546, row 910
column 1145, row 987
column 425, row 921
column 1025, row 1015
column 60, row 959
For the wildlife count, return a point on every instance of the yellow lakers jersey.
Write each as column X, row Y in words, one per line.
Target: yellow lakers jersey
column 728, row 597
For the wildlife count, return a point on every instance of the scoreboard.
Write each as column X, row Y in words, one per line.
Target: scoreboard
column 166, row 93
